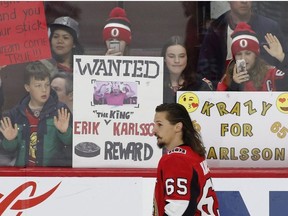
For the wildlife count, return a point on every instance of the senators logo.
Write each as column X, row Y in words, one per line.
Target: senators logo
column 243, row 43
column 20, row 205
column 115, row 32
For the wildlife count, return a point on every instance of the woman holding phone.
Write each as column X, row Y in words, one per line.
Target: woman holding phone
column 117, row 33
column 247, row 71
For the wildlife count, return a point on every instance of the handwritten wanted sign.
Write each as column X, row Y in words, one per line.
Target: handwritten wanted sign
column 23, row 32
column 114, row 106
column 241, row 129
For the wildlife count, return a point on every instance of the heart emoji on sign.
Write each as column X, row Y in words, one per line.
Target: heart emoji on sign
column 194, row 105
column 190, row 101
column 282, row 103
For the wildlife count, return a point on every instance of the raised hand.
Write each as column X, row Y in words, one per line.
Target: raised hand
column 275, row 48
column 61, row 121
column 7, row 129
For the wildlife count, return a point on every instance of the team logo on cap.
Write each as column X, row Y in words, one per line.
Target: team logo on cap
column 243, row 43
column 115, row 32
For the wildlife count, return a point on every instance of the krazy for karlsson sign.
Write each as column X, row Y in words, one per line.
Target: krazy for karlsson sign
column 241, row 129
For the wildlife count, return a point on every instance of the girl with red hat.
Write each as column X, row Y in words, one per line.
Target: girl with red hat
column 117, row 32
column 257, row 75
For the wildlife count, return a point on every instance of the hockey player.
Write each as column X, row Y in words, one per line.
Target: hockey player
column 184, row 185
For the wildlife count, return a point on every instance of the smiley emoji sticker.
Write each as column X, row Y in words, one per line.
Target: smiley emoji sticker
column 282, row 103
column 189, row 100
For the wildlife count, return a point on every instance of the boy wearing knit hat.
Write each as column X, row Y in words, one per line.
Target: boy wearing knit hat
column 258, row 75
column 117, row 32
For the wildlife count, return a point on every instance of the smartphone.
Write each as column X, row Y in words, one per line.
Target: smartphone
column 241, row 65
column 115, row 45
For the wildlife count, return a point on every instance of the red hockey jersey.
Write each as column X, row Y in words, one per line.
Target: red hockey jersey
column 269, row 82
column 274, row 80
column 184, row 185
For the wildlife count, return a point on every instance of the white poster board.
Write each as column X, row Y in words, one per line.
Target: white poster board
column 241, row 129
column 114, row 105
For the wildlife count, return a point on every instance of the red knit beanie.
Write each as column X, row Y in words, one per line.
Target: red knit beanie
column 117, row 26
column 244, row 38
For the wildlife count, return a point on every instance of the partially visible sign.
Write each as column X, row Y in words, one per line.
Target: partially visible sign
column 241, row 129
column 23, row 32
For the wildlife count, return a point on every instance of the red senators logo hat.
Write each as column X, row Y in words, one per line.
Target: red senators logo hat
column 244, row 38
column 117, row 26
